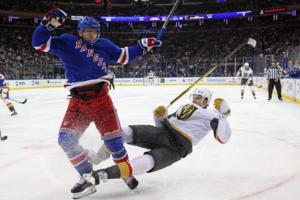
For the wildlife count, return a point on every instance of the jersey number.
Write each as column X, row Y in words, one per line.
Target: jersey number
column 186, row 112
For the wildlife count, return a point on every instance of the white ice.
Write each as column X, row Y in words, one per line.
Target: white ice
column 260, row 161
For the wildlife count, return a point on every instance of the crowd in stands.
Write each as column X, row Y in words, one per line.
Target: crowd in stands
column 293, row 69
column 192, row 53
column 18, row 60
column 189, row 49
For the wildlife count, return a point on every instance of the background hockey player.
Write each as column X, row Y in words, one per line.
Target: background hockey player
column 173, row 137
column 246, row 74
column 111, row 77
column 4, row 95
column 86, row 60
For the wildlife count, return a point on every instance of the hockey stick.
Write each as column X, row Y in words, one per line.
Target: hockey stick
column 3, row 137
column 255, row 85
column 164, row 27
column 250, row 41
column 21, row 102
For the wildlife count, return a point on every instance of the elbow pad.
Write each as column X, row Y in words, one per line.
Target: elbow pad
column 214, row 125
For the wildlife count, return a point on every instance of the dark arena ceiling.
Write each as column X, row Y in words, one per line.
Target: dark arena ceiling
column 31, row 8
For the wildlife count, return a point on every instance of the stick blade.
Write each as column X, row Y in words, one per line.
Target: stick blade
column 252, row 42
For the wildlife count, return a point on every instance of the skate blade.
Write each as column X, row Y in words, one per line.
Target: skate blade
column 86, row 192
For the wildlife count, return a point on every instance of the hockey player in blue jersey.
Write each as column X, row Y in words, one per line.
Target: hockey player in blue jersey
column 86, row 60
column 4, row 95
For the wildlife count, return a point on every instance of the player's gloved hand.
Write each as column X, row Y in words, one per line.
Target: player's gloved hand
column 148, row 43
column 161, row 112
column 54, row 18
column 221, row 105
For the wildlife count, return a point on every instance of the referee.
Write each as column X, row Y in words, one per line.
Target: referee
column 274, row 74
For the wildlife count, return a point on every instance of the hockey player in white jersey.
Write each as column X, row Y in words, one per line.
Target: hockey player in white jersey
column 4, row 95
column 172, row 138
column 246, row 74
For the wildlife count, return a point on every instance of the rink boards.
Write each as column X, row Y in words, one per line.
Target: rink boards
column 290, row 87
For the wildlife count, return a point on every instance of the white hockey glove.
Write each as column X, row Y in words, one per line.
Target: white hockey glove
column 54, row 18
column 148, row 43
column 221, row 106
column 161, row 112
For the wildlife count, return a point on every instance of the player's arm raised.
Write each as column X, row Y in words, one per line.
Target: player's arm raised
column 220, row 126
column 126, row 55
column 41, row 38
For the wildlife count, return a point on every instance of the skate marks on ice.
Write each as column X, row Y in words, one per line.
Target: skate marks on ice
column 261, row 161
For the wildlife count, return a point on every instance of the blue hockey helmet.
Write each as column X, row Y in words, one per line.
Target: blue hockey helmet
column 88, row 23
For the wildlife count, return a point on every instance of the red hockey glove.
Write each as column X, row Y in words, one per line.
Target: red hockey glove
column 54, row 18
column 148, row 43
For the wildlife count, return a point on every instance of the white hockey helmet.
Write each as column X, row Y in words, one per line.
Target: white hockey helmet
column 204, row 93
column 246, row 65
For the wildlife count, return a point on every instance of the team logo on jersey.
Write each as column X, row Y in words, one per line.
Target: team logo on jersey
column 96, row 57
column 83, row 48
column 90, row 52
column 186, row 112
column 78, row 44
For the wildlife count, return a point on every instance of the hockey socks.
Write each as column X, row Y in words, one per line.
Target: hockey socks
column 139, row 165
column 11, row 108
column 121, row 170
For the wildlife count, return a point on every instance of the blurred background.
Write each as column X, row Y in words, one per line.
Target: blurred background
column 200, row 34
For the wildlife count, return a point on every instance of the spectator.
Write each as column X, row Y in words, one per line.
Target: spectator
column 111, row 76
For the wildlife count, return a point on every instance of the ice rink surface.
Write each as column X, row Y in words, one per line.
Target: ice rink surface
column 261, row 161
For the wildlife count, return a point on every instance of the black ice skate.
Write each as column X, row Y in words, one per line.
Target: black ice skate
column 86, row 185
column 131, row 182
column 2, row 137
column 14, row 114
